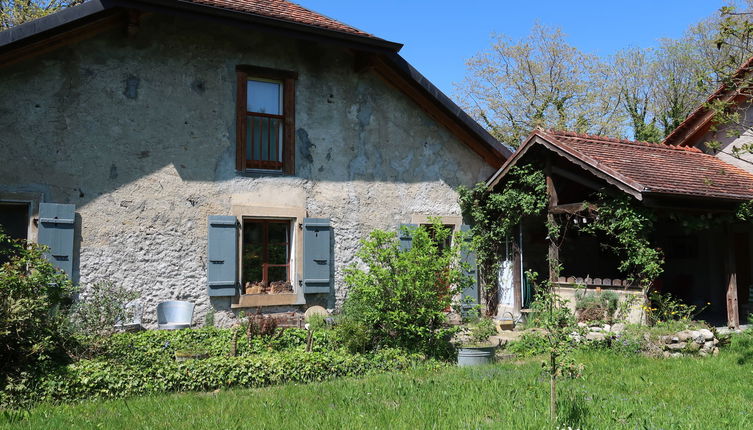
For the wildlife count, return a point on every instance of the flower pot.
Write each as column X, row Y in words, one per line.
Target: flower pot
column 476, row 355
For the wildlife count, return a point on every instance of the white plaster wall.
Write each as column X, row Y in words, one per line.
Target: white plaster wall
column 145, row 172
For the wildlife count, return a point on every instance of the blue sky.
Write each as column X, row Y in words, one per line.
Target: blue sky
column 440, row 35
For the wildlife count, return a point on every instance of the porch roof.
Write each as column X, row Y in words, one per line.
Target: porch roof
column 642, row 168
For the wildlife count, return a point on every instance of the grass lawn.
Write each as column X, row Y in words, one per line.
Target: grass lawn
column 616, row 392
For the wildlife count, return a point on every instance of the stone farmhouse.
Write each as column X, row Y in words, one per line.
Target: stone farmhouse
column 230, row 153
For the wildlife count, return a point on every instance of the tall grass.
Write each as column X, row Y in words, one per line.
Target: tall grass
column 616, row 392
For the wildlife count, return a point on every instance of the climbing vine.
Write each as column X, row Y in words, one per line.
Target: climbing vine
column 497, row 214
column 629, row 224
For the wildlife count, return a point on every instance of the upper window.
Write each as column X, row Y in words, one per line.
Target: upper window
column 265, row 117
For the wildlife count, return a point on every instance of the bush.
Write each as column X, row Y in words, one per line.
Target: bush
column 596, row 306
column 101, row 379
column 100, row 308
column 399, row 299
column 32, row 295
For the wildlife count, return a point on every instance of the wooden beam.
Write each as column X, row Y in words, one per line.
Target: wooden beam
column 733, row 313
column 554, row 251
column 578, row 178
column 571, row 208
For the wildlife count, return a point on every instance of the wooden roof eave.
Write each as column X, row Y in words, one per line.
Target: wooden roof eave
column 592, row 166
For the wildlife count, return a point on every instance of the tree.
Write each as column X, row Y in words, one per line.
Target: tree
column 539, row 81
column 15, row 12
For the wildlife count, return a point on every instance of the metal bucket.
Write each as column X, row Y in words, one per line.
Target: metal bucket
column 476, row 356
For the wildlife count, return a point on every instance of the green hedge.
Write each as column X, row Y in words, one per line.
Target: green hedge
column 143, row 363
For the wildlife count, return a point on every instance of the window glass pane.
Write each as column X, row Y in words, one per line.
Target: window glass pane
column 278, row 253
column 253, row 251
column 277, row 273
column 278, row 232
column 263, row 139
column 264, row 97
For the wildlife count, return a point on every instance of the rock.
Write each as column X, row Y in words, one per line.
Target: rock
column 675, row 339
column 596, row 336
column 716, row 341
column 684, row 335
column 607, row 328
column 703, row 353
column 596, row 329
column 666, row 354
column 707, row 334
column 677, row 346
column 582, row 324
column 676, row 355
column 665, row 339
column 693, row 347
column 708, row 346
column 715, row 352
column 618, row 328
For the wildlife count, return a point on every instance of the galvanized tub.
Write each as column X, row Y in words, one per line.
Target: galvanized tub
column 476, row 355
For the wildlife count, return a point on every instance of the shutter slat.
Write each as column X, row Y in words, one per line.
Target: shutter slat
column 222, row 256
column 405, row 233
column 56, row 231
column 467, row 255
column 317, row 256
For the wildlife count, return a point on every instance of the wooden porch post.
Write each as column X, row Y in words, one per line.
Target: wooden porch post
column 554, row 252
column 733, row 314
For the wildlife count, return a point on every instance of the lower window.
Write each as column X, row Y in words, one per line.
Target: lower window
column 266, row 256
column 14, row 222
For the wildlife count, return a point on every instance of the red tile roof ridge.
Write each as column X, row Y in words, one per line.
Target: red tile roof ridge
column 285, row 10
column 607, row 139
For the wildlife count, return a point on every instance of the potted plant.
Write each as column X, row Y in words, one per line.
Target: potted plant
column 477, row 348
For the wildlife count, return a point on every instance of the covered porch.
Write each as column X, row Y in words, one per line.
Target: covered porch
column 696, row 204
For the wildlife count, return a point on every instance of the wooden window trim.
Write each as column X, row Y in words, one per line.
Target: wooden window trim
column 288, row 78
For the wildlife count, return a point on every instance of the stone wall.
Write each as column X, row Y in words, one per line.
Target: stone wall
column 139, row 133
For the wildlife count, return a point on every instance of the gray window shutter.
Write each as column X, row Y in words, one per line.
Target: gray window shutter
column 317, row 256
column 405, row 233
column 467, row 255
column 56, row 224
column 222, row 264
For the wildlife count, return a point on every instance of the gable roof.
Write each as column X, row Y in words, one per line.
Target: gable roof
column 81, row 21
column 699, row 121
column 642, row 168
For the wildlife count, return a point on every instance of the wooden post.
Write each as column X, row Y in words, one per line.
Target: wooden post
column 554, row 252
column 733, row 314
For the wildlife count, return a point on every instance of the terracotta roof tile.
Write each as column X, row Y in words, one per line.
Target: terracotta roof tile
column 285, row 11
column 658, row 168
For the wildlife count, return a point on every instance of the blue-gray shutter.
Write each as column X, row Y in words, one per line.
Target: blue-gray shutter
column 222, row 264
column 56, row 224
column 405, row 233
column 467, row 255
column 317, row 256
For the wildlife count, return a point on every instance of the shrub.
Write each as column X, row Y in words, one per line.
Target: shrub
column 32, row 293
column 100, row 308
column 665, row 307
column 398, row 299
column 100, row 379
column 481, row 331
column 596, row 306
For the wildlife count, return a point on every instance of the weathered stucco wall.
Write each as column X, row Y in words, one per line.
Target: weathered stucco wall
column 139, row 133
column 731, row 137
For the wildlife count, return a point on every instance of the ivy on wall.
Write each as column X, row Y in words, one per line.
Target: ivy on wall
column 496, row 215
